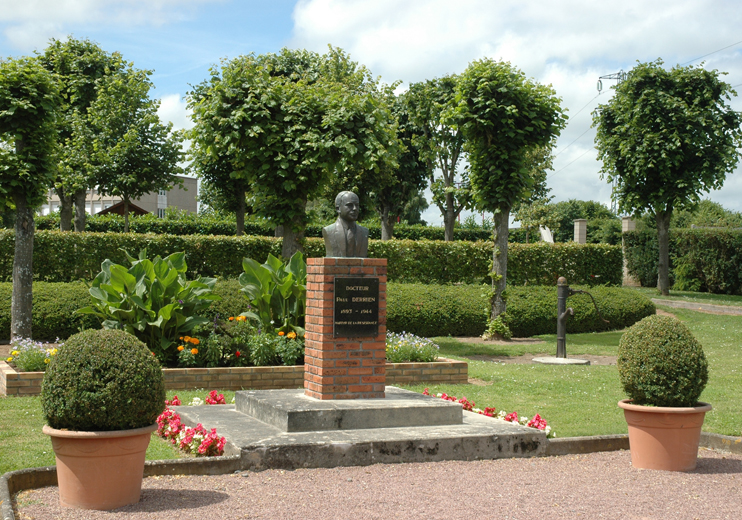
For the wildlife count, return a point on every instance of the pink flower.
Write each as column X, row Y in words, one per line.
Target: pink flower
column 213, row 398
column 512, row 417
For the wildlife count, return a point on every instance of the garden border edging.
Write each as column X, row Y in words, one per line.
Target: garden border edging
column 258, row 378
column 33, row 478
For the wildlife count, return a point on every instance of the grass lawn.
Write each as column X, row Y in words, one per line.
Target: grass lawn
column 577, row 400
column 22, row 445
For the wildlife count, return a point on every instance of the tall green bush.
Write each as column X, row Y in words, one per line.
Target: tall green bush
column 192, row 224
column 708, row 260
column 62, row 257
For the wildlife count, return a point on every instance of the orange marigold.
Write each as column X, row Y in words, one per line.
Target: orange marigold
column 187, row 339
column 281, row 333
column 231, row 318
column 291, row 335
column 194, row 351
column 181, row 348
column 195, row 341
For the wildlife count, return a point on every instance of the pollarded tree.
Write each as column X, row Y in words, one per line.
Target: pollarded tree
column 666, row 137
column 441, row 146
column 287, row 123
column 135, row 153
column 78, row 64
column 504, row 116
column 409, row 177
column 29, row 98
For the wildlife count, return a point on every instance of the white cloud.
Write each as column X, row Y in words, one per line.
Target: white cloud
column 569, row 44
column 173, row 109
column 29, row 24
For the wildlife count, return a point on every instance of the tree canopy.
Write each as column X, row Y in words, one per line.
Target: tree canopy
column 288, row 124
column 135, row 153
column 79, row 65
column 504, row 116
column 666, row 137
column 440, row 143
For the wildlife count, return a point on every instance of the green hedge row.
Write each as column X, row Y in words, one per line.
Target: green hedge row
column 63, row 257
column 428, row 310
column 208, row 225
column 708, row 260
column 425, row 310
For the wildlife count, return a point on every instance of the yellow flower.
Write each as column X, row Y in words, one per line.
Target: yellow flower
column 194, row 351
column 291, row 335
column 15, row 353
column 281, row 333
column 9, row 359
column 47, row 360
column 181, row 348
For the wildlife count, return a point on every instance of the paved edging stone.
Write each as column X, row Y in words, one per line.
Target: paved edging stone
column 695, row 306
column 32, row 478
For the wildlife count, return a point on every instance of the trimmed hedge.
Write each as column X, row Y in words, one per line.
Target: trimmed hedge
column 428, row 310
column 200, row 225
column 54, row 306
column 62, row 257
column 708, row 260
column 425, row 310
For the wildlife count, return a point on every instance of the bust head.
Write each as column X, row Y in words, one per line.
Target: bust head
column 347, row 206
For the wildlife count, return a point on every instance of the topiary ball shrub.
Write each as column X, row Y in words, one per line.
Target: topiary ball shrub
column 660, row 363
column 102, row 380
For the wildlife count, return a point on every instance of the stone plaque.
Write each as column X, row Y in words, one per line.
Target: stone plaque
column 356, row 304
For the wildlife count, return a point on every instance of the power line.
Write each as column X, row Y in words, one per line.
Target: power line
column 583, row 108
column 567, row 165
column 710, row 53
column 573, row 142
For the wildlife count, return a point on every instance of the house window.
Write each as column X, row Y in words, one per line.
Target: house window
column 161, row 212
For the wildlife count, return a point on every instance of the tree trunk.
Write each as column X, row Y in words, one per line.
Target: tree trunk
column 278, row 232
column 240, row 214
column 387, row 224
column 500, row 262
column 449, row 218
column 65, row 209
column 293, row 240
column 22, row 298
column 80, row 213
column 663, row 239
column 126, row 215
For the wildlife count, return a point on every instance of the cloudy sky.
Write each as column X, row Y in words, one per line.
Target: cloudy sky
column 566, row 43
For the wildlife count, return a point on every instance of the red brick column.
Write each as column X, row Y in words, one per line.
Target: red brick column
column 342, row 368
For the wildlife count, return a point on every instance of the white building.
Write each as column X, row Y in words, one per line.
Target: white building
column 182, row 198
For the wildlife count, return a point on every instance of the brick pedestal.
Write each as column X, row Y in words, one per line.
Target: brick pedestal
column 342, row 368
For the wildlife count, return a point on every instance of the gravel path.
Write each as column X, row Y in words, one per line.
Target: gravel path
column 594, row 486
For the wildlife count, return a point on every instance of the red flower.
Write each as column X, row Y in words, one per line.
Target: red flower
column 237, row 354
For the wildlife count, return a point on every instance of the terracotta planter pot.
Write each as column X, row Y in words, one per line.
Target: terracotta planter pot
column 100, row 470
column 662, row 437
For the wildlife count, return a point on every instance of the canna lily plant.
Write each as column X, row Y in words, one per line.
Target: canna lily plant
column 276, row 292
column 151, row 300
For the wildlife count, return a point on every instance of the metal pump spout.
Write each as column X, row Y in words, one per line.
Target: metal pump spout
column 563, row 312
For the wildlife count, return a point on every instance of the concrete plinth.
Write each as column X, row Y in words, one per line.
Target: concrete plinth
column 293, row 411
column 263, row 445
column 560, row 361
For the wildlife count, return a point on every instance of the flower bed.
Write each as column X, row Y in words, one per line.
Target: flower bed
column 263, row 378
column 536, row 422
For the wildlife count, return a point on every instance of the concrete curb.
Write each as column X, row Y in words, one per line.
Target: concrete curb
column 33, row 478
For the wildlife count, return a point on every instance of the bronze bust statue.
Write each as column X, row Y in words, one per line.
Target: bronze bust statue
column 345, row 238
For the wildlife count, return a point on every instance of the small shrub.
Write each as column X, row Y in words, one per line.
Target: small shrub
column 102, row 380
column 660, row 363
column 406, row 347
column 263, row 350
